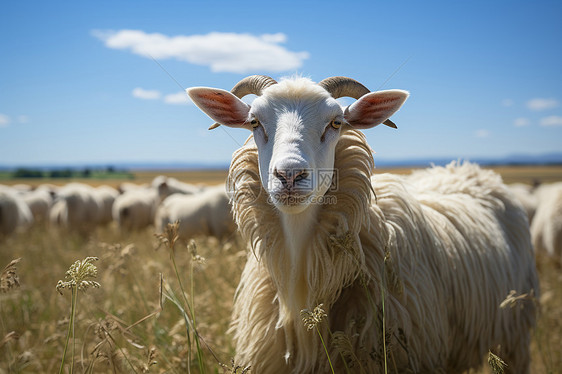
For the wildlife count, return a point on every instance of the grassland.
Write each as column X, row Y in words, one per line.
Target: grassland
column 135, row 322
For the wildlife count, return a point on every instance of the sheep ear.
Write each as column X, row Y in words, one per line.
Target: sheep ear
column 374, row 108
column 220, row 105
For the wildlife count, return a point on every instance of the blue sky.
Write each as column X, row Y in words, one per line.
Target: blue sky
column 78, row 85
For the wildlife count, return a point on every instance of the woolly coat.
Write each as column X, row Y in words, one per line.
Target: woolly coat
column 427, row 259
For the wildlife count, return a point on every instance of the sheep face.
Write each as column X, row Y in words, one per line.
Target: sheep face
column 296, row 136
column 296, row 125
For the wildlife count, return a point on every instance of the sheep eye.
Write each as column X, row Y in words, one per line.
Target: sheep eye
column 336, row 123
column 254, row 123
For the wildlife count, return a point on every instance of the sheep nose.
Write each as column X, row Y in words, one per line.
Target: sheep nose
column 290, row 176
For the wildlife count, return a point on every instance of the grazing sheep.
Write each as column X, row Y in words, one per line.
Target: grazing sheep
column 107, row 196
column 39, row 202
column 167, row 186
column 127, row 186
column 524, row 193
column 77, row 207
column 14, row 212
column 135, row 209
column 22, row 188
column 546, row 228
column 203, row 213
column 423, row 265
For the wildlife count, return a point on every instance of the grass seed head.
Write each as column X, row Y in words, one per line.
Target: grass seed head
column 170, row 235
column 12, row 335
column 513, row 300
column 9, row 279
column 192, row 247
column 344, row 242
column 496, row 364
column 393, row 281
column 150, row 360
column 77, row 275
column 342, row 343
column 312, row 318
column 234, row 369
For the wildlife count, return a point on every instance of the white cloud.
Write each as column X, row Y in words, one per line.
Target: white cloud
column 542, row 104
column 520, row 122
column 274, row 38
column 507, row 102
column 482, row 133
column 177, row 98
column 4, row 120
column 222, row 52
column 23, row 119
column 552, row 121
column 141, row 93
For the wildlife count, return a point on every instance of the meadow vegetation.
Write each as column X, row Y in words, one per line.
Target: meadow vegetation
column 162, row 305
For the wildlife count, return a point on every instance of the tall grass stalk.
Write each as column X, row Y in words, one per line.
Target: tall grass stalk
column 194, row 257
column 191, row 316
column 9, row 281
column 311, row 319
column 76, row 279
column 73, row 300
column 122, row 352
column 325, row 349
column 169, row 238
column 545, row 353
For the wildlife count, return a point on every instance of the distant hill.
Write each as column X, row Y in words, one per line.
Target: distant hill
column 122, row 165
column 514, row 159
column 554, row 158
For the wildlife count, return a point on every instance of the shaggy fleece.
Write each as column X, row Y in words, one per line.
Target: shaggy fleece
column 412, row 267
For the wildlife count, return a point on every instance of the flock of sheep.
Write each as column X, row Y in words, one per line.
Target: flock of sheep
column 202, row 210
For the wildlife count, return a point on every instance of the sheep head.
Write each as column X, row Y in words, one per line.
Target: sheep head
column 296, row 125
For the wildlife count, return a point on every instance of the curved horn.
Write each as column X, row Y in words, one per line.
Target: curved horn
column 344, row 86
column 254, row 84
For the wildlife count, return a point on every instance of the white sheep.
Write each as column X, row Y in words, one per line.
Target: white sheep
column 203, row 213
column 21, row 188
column 128, row 186
column 14, row 212
column 135, row 208
column 77, row 206
column 525, row 194
column 107, row 196
column 39, row 202
column 442, row 250
column 546, row 228
column 167, row 186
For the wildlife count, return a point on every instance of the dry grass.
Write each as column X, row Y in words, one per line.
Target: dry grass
column 123, row 325
column 208, row 177
column 131, row 324
column 510, row 174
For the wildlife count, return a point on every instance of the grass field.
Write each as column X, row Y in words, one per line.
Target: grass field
column 140, row 321
column 510, row 174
